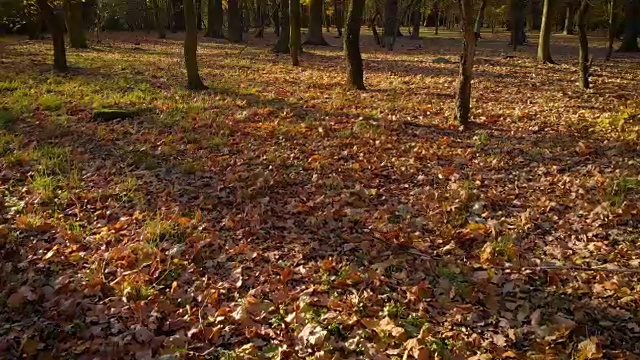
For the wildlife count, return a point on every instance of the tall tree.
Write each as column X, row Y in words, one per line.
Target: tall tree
column 355, row 70
column 54, row 23
column 282, row 46
column 191, row 47
column 463, row 98
column 214, row 19
column 416, row 18
column 75, row 25
column 583, row 57
column 314, row 36
column 390, row 16
column 234, row 19
column 568, row 18
column 275, row 17
column 544, row 44
column 158, row 19
column 517, row 18
column 612, row 31
column 295, row 45
column 338, row 14
column 631, row 26
column 436, row 10
column 480, row 18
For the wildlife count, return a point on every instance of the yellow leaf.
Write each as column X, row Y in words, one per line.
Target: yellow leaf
column 588, row 349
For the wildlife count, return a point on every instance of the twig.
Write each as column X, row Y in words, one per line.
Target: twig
column 582, row 268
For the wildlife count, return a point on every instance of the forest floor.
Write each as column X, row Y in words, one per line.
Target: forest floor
column 279, row 215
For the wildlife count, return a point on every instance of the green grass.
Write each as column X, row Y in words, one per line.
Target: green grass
column 9, row 85
column 8, row 143
column 45, row 185
column 158, row 230
column 52, row 160
column 50, row 102
column 622, row 188
column 7, row 119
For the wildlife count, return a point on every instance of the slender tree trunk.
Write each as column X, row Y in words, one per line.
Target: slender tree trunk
column 339, row 15
column 282, row 46
column 199, row 14
column 544, row 44
column 612, row 25
column 416, row 16
column 214, row 19
column 275, row 17
column 568, row 20
column 583, row 58
column 75, row 26
column 374, row 31
column 234, row 19
column 390, row 23
column 436, row 8
column 54, row 23
column 314, row 36
column 355, row 70
column 191, row 47
column 480, row 18
column 463, row 99
column 295, row 45
column 631, row 24
column 158, row 19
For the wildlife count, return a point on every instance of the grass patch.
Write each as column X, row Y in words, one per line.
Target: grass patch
column 9, row 85
column 8, row 144
column 158, row 230
column 622, row 188
column 50, row 103
column 52, row 160
column 7, row 119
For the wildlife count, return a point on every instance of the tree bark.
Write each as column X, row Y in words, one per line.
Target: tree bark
column 191, row 47
column 282, row 46
column 612, row 25
column 275, row 17
column 583, row 57
column 631, row 19
column 295, row 45
column 339, row 15
column 54, row 23
column 314, row 36
column 234, row 19
column 568, row 19
column 416, row 16
column 463, row 98
column 214, row 19
column 158, row 19
column 544, row 44
column 75, row 25
column 436, row 8
column 199, row 14
column 390, row 23
column 355, row 70
column 517, row 23
column 480, row 19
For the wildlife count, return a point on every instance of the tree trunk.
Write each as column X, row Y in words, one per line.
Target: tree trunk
column 355, row 70
column 631, row 25
column 416, row 16
column 191, row 47
column 282, row 46
column 75, row 26
column 583, row 58
column 199, row 14
column 234, row 20
column 214, row 19
column 339, row 15
column 390, row 23
column 517, row 23
column 275, row 17
column 463, row 99
column 544, row 48
column 295, row 45
column 374, row 31
column 612, row 25
column 436, row 8
column 54, row 23
column 480, row 19
column 314, row 36
column 568, row 19
column 158, row 19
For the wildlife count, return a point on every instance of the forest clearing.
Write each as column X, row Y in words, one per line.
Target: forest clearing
column 281, row 215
